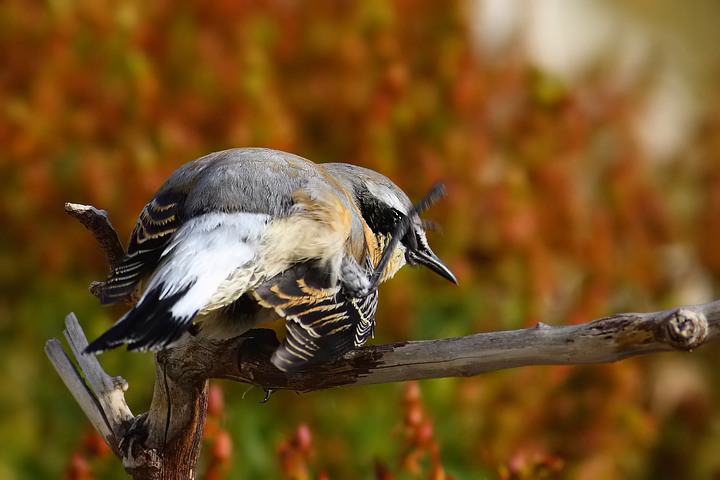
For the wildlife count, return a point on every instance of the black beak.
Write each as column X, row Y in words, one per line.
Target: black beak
column 425, row 257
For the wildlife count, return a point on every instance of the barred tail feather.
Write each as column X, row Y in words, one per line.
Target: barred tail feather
column 124, row 278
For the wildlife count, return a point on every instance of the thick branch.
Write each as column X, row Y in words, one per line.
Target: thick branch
column 601, row 341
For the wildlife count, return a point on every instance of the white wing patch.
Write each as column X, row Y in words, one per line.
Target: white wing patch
column 203, row 253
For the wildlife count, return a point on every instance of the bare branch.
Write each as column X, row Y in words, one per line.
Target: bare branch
column 98, row 223
column 100, row 396
column 601, row 341
column 109, row 390
column 79, row 389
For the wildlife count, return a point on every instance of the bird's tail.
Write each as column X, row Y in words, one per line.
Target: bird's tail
column 149, row 325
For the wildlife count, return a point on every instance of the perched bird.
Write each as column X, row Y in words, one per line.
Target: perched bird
column 245, row 236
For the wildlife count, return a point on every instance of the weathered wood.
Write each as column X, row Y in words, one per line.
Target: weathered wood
column 98, row 222
column 604, row 340
column 79, row 389
column 100, row 396
column 110, row 390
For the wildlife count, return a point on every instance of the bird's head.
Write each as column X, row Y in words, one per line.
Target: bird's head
column 384, row 206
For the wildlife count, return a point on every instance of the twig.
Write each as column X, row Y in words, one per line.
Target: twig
column 98, row 223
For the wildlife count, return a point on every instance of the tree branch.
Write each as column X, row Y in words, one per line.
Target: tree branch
column 247, row 358
column 100, row 396
column 98, row 223
column 173, row 427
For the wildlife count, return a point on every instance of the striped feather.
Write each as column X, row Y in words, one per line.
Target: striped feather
column 322, row 321
column 152, row 232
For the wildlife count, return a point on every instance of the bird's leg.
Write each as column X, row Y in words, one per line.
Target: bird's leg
column 268, row 392
column 354, row 278
column 134, row 438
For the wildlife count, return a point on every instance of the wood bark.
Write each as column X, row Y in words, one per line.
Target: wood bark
column 165, row 442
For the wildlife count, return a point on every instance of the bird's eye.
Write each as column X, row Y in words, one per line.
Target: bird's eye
column 410, row 240
column 396, row 218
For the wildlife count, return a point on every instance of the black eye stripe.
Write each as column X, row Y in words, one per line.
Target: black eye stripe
column 380, row 217
column 411, row 240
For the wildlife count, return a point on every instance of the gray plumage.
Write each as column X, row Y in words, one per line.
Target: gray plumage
column 242, row 236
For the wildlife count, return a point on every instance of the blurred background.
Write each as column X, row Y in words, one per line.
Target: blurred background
column 580, row 143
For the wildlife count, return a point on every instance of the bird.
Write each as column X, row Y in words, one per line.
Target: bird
column 246, row 236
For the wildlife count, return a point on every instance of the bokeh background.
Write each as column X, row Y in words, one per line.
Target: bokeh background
column 580, row 143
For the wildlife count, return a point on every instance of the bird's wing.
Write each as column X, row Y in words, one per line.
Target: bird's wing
column 322, row 322
column 203, row 254
column 152, row 232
